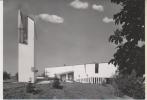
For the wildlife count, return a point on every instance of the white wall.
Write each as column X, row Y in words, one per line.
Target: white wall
column 26, row 56
column 84, row 71
column 57, row 70
column 79, row 71
column 106, row 70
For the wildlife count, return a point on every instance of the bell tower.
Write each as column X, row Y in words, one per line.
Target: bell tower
column 26, row 38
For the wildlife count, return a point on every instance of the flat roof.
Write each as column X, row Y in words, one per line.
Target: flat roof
column 74, row 65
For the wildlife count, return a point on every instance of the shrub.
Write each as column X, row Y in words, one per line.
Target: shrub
column 30, row 87
column 131, row 85
column 6, row 75
column 56, row 83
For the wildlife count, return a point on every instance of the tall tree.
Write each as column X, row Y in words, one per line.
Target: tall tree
column 130, row 37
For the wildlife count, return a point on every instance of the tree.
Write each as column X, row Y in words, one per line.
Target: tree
column 16, row 75
column 129, row 55
column 6, row 75
column 130, row 85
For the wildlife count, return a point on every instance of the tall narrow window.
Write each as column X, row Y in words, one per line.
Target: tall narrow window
column 23, row 34
column 96, row 68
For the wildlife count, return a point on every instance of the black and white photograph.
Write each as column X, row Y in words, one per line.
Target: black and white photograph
column 74, row 49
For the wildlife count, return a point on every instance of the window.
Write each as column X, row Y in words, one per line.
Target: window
column 96, row 68
column 23, row 34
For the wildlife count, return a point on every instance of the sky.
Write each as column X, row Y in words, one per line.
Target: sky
column 69, row 32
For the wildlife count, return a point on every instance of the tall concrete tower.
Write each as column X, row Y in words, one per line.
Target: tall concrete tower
column 26, row 38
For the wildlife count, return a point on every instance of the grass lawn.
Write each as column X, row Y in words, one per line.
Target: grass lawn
column 69, row 91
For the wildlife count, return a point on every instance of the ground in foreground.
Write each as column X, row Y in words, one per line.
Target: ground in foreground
column 69, row 91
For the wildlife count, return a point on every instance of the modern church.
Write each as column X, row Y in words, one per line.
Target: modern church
column 96, row 73
column 84, row 73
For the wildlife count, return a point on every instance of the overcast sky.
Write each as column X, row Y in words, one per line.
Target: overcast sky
column 69, row 31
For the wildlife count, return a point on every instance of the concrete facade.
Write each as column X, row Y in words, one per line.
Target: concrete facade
column 26, row 53
column 85, row 73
